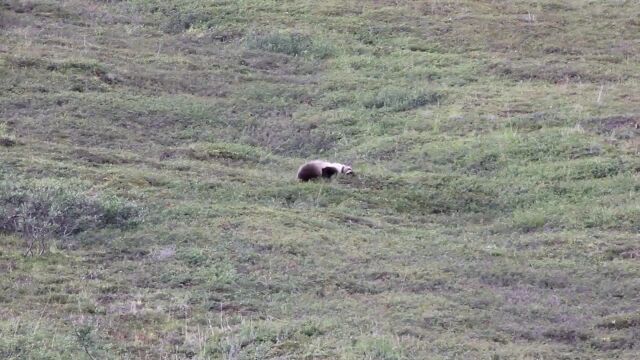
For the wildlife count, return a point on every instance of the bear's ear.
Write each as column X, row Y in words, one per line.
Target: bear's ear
column 329, row 171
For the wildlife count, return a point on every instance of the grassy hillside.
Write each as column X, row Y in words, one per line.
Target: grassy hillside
column 149, row 208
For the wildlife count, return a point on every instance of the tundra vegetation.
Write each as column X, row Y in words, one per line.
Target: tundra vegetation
column 149, row 208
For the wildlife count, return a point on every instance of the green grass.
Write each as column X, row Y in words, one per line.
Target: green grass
column 148, row 154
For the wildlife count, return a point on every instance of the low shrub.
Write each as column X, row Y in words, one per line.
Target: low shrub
column 228, row 151
column 291, row 43
column 51, row 210
column 397, row 99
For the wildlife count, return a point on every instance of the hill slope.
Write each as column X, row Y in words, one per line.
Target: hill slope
column 148, row 151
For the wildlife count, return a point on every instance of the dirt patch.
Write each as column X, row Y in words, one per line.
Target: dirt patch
column 621, row 126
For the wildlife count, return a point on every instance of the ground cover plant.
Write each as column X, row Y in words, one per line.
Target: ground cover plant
column 149, row 207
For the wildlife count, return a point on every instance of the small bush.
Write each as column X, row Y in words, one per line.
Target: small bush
column 621, row 322
column 377, row 348
column 6, row 139
column 194, row 257
column 44, row 211
column 229, row 151
column 25, row 62
column 397, row 99
column 447, row 195
column 79, row 65
column 551, row 72
column 550, row 145
column 313, row 194
column 294, row 44
column 177, row 21
column 282, row 137
column 529, row 220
